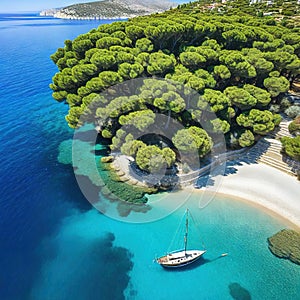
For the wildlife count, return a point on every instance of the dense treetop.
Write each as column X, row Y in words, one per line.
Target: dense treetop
column 291, row 146
column 238, row 65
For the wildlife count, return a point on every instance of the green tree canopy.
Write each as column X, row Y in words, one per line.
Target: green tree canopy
column 222, row 72
column 152, row 159
column 131, row 147
column 104, row 59
column 291, row 146
column 144, row 45
column 294, row 126
column 262, row 97
column 130, row 71
column 216, row 99
column 107, row 42
column 219, row 126
column 160, row 64
column 140, row 119
column 191, row 140
column 246, row 139
column 82, row 73
column 170, row 101
column 82, row 46
column 192, row 60
column 134, row 32
column 276, row 85
column 238, row 64
column 261, row 121
column 240, row 97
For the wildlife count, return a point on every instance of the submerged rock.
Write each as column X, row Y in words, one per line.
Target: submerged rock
column 65, row 152
column 237, row 292
column 286, row 244
column 107, row 159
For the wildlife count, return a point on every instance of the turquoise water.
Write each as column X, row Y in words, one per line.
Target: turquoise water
column 55, row 245
column 225, row 226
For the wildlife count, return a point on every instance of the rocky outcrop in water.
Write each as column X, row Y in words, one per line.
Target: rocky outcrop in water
column 286, row 244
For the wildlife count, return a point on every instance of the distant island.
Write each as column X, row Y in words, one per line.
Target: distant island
column 109, row 9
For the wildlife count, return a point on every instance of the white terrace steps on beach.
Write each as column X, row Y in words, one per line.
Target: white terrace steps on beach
column 283, row 129
column 272, row 156
column 268, row 150
column 276, row 163
column 280, row 165
column 282, row 134
column 273, row 149
column 275, row 160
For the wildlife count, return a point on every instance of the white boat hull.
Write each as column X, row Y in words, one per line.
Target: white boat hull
column 179, row 258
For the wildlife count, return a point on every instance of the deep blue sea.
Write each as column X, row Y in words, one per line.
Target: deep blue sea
column 55, row 245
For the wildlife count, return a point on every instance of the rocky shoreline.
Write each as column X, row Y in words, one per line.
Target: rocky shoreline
column 63, row 15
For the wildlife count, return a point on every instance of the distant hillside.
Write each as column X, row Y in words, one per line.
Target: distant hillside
column 49, row 12
column 110, row 9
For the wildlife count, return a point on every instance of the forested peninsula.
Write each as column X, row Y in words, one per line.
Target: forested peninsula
column 240, row 65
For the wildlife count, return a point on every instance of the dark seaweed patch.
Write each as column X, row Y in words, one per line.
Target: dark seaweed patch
column 238, row 292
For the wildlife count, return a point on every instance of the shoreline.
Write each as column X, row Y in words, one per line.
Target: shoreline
column 290, row 224
column 257, row 184
column 263, row 187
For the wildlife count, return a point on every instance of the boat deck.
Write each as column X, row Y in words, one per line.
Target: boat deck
column 180, row 258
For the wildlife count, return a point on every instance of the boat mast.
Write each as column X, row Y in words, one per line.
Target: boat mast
column 186, row 230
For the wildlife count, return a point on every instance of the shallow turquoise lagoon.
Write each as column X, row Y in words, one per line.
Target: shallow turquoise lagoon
column 223, row 226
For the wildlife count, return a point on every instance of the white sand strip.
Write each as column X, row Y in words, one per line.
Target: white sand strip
column 265, row 186
column 260, row 184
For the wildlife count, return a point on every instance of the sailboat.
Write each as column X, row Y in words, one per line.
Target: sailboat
column 183, row 257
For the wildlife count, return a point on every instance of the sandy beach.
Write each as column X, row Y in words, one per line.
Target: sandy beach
column 262, row 185
column 256, row 183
